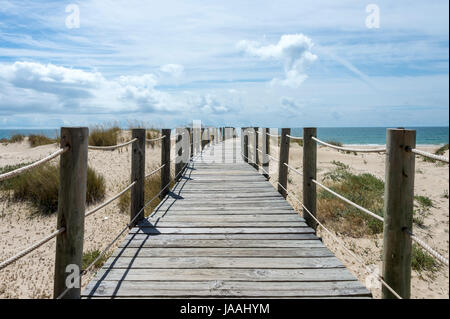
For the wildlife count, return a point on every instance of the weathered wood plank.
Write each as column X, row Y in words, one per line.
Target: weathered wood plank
column 167, row 241
column 221, row 230
column 226, row 288
column 222, row 262
column 254, row 274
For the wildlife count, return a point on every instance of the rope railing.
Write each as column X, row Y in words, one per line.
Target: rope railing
column 155, row 139
column 23, row 169
column 295, row 137
column 425, row 246
column 430, row 155
column 293, row 169
column 273, row 135
column 109, row 201
column 350, row 149
column 112, row 147
column 33, row 247
column 155, row 171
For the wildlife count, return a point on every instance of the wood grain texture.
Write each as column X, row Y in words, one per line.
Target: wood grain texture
column 223, row 231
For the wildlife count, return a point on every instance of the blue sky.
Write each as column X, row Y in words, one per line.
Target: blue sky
column 263, row 63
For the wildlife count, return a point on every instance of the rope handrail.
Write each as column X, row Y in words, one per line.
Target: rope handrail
column 23, row 169
column 425, row 246
column 112, row 147
column 349, row 149
column 293, row 169
column 109, row 201
column 155, row 139
column 256, row 165
column 295, row 137
column 430, row 155
column 365, row 210
column 155, row 171
column 274, row 158
column 33, row 247
column 273, row 135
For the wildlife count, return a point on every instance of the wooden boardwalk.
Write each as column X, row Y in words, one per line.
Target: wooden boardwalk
column 223, row 231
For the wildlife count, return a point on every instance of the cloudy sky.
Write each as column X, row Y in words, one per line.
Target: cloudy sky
column 264, row 63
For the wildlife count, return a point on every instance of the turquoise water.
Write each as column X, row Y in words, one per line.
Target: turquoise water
column 376, row 135
column 345, row 135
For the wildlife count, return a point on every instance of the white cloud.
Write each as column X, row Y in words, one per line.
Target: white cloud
column 175, row 70
column 293, row 50
column 36, row 87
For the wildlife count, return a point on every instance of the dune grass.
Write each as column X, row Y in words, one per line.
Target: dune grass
column 151, row 134
column 89, row 257
column 364, row 189
column 422, row 261
column 17, row 138
column 104, row 135
column 40, row 186
column 39, row 139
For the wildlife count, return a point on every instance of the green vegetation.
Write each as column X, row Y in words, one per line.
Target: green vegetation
column 152, row 188
column 17, row 138
column 363, row 189
column 422, row 261
column 422, row 205
column 41, row 184
column 103, row 135
column 90, row 256
column 38, row 140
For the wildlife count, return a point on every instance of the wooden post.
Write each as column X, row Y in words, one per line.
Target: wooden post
column 309, row 173
column 191, row 141
column 245, row 133
column 71, row 210
column 202, row 142
column 284, row 158
column 165, row 160
column 138, row 174
column 398, row 214
column 266, row 150
column 179, row 149
column 255, row 148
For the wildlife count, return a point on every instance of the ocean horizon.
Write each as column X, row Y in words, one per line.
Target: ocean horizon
column 436, row 135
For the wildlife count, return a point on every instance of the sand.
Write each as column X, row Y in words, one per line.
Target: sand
column 32, row 276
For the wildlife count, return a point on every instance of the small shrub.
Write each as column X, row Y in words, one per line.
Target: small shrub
column 90, row 256
column 40, row 186
column 422, row 261
column 103, row 136
column 38, row 140
column 17, row 138
column 365, row 190
column 445, row 195
column 4, row 141
column 424, row 201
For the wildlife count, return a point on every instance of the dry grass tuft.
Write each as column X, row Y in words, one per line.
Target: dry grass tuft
column 40, row 186
column 103, row 135
column 38, row 140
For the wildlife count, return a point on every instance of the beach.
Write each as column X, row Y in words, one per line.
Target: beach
column 32, row 276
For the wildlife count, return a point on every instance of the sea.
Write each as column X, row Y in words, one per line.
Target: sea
column 345, row 135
